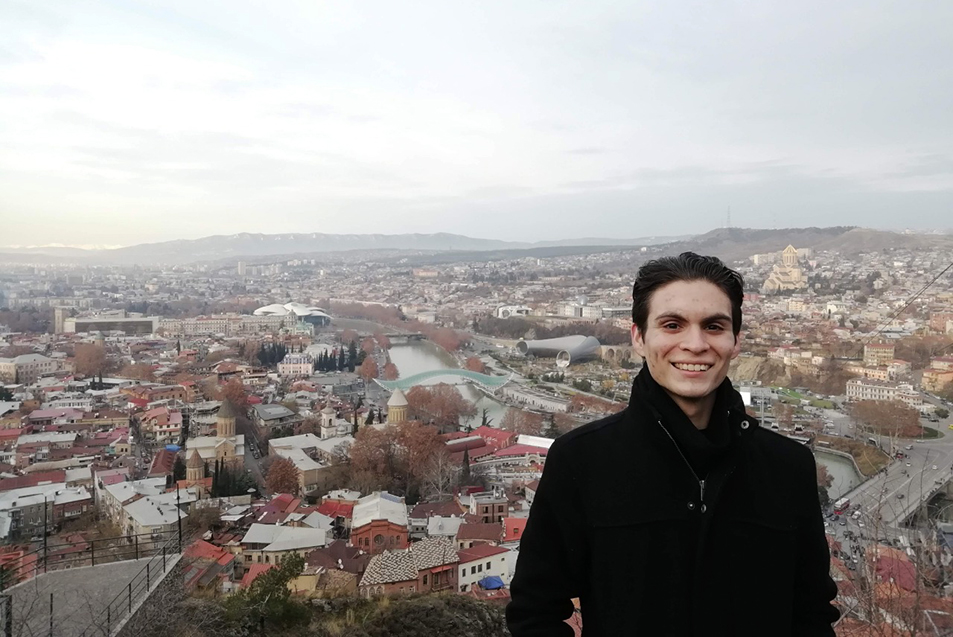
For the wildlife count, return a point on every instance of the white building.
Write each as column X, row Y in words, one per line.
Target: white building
column 870, row 389
column 480, row 561
column 296, row 366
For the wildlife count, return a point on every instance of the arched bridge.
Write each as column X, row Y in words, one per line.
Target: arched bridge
column 490, row 383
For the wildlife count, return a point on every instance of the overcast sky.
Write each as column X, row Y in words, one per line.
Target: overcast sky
column 125, row 122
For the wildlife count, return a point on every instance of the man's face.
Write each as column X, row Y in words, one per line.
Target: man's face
column 688, row 343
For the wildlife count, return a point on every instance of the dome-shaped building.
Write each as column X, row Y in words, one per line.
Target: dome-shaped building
column 397, row 407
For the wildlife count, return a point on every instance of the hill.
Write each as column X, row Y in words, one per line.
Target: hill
column 733, row 244
column 301, row 245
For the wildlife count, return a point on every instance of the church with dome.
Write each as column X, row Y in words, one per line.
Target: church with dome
column 787, row 275
column 225, row 445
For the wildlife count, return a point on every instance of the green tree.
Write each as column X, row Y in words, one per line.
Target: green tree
column 268, row 603
column 351, row 356
column 178, row 469
column 942, row 412
column 5, row 394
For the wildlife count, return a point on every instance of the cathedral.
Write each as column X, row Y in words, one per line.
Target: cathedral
column 225, row 445
column 786, row 276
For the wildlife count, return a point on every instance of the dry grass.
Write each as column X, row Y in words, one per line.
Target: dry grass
column 869, row 459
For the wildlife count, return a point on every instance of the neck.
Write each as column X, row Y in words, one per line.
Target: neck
column 698, row 410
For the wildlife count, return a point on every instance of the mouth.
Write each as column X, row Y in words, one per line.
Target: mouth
column 692, row 367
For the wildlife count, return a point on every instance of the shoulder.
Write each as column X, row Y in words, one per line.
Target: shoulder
column 595, row 433
column 781, row 449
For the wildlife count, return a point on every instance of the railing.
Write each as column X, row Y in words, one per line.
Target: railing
column 138, row 587
column 62, row 555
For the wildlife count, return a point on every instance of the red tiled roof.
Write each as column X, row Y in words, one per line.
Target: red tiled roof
column 336, row 509
column 520, row 450
column 479, row 552
column 428, row 509
column 32, row 479
column 254, row 572
column 513, row 528
column 483, row 531
column 497, row 436
column 902, row 572
column 202, row 549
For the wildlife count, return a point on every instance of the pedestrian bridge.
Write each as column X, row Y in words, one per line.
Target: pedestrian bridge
column 490, row 383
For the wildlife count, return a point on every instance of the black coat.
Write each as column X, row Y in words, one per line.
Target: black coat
column 621, row 521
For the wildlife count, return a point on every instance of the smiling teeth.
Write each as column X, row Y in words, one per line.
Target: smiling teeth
column 692, row 368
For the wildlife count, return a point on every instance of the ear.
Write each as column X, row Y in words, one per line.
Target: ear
column 637, row 343
column 737, row 348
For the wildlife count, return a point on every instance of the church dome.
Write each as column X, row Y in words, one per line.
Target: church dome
column 195, row 461
column 227, row 410
column 397, row 399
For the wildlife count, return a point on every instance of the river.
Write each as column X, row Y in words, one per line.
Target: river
column 843, row 472
column 424, row 356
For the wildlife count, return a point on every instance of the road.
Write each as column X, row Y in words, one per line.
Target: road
column 890, row 497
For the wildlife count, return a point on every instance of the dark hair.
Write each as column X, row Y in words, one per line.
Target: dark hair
column 687, row 266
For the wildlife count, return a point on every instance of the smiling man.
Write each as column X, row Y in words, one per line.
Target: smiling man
column 679, row 515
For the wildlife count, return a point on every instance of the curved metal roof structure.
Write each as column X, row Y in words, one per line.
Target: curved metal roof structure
column 566, row 349
column 491, row 383
column 298, row 309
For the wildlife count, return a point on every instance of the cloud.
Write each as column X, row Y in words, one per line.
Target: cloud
column 488, row 119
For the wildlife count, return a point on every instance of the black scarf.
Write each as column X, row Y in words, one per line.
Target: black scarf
column 702, row 448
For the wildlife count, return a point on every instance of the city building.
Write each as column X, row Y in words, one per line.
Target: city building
column 870, row 389
column 429, row 565
column 787, row 275
column 397, row 406
column 379, row 523
column 296, row 366
column 877, row 354
column 26, row 368
column 225, row 446
column 296, row 311
column 481, row 561
column 111, row 323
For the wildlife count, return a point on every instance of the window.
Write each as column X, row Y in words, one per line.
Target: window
column 425, row 580
column 487, row 566
column 499, row 508
column 378, row 540
column 472, row 570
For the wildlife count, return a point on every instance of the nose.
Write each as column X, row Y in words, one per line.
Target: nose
column 695, row 340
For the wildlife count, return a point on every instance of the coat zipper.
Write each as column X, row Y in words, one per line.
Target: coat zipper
column 701, row 483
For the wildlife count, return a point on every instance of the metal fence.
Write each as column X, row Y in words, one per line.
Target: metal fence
column 137, row 588
column 61, row 555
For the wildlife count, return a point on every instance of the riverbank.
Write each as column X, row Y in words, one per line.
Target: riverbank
column 868, row 459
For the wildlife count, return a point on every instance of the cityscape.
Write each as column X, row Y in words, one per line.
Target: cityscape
column 364, row 427
column 329, row 319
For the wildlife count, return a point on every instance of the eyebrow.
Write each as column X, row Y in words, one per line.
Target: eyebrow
column 714, row 318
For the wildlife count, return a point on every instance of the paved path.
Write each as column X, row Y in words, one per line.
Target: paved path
column 79, row 596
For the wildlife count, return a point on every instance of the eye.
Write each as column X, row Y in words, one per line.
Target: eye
column 716, row 327
column 671, row 325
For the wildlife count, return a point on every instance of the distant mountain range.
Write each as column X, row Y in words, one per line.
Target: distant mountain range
column 255, row 246
column 728, row 243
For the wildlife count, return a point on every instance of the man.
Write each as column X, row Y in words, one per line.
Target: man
column 679, row 515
